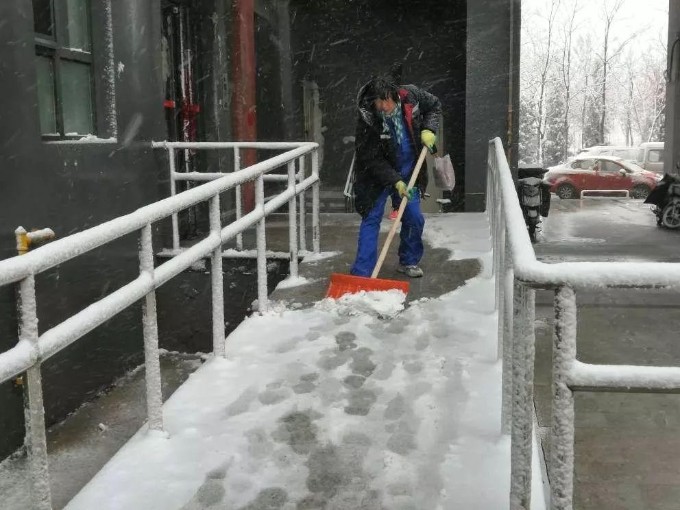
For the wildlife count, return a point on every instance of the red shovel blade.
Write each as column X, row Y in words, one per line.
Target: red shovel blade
column 342, row 284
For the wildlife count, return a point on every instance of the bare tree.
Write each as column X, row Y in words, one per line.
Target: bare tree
column 644, row 106
column 576, row 84
column 588, row 70
column 543, row 77
column 608, row 55
column 629, row 126
column 566, row 71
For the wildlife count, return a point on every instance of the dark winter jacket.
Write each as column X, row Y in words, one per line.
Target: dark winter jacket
column 375, row 151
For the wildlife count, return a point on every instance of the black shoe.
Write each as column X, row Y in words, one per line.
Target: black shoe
column 411, row 271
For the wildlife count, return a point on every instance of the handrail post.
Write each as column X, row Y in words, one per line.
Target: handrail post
column 261, row 247
column 499, row 269
column 316, row 241
column 562, row 425
column 303, row 206
column 217, row 282
column 34, row 410
column 173, row 192
column 506, row 344
column 152, row 366
column 238, row 205
column 497, row 197
column 523, row 401
column 490, row 169
column 496, row 211
column 493, row 168
column 292, row 223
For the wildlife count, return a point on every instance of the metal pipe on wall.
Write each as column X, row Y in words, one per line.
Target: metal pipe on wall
column 243, row 99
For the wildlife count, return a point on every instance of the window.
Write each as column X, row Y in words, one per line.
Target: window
column 610, row 166
column 655, row 156
column 63, row 48
column 583, row 164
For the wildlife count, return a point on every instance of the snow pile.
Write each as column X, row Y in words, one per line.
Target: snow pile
column 385, row 303
column 88, row 138
column 310, row 257
column 293, row 282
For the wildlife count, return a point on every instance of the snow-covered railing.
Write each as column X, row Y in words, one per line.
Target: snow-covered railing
column 33, row 348
column 518, row 274
column 173, row 147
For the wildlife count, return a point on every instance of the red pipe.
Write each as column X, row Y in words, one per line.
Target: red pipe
column 244, row 119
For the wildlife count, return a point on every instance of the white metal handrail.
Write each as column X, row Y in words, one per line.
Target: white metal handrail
column 349, row 182
column 518, row 274
column 34, row 348
column 175, row 176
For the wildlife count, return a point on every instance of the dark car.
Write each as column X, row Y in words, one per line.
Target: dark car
column 599, row 174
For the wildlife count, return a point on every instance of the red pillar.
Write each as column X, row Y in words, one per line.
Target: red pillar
column 243, row 99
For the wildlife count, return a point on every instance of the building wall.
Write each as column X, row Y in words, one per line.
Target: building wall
column 70, row 187
column 489, row 76
column 672, row 146
column 467, row 53
column 340, row 44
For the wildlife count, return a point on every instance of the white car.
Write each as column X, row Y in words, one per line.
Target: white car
column 619, row 151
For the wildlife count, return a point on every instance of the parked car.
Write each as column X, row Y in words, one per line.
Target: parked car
column 620, row 151
column 600, row 173
column 650, row 156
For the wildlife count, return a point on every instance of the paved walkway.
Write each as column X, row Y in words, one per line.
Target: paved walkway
column 354, row 404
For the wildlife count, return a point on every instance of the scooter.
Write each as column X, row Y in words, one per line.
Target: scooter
column 534, row 198
column 665, row 200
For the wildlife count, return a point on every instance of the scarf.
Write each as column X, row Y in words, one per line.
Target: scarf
column 394, row 122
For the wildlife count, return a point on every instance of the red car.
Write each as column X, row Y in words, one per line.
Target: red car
column 600, row 173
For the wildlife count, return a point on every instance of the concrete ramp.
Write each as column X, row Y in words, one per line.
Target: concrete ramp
column 366, row 403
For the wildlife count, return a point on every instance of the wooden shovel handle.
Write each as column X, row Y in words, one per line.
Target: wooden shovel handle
column 402, row 206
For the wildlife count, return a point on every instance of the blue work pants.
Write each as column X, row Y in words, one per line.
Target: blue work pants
column 411, row 243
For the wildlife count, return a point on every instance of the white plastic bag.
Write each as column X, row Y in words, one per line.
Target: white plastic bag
column 444, row 175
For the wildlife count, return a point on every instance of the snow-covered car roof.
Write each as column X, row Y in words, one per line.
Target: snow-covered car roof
column 600, row 156
column 632, row 165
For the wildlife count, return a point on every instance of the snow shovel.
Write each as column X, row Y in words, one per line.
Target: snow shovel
column 342, row 284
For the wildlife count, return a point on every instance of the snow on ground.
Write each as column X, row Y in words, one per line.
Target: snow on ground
column 310, row 257
column 383, row 304
column 634, row 213
column 322, row 407
column 291, row 282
